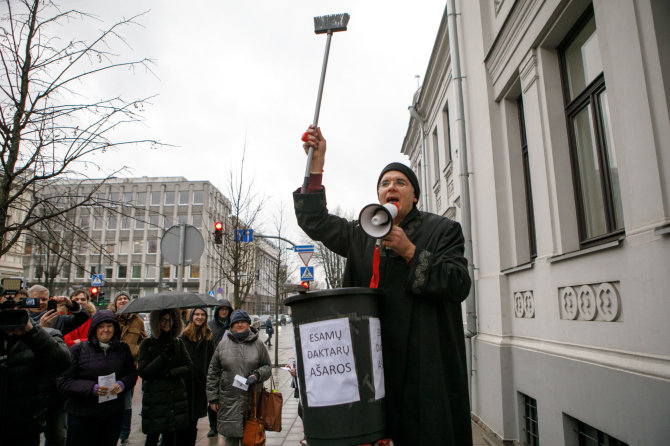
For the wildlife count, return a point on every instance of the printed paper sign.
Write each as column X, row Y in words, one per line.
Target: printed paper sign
column 107, row 381
column 328, row 363
column 240, row 382
column 377, row 359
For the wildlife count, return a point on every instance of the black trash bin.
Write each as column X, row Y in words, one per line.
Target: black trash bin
column 339, row 364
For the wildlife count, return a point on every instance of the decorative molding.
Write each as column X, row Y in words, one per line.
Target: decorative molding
column 497, row 5
column 640, row 363
column 524, row 304
column 528, row 70
column 506, row 42
column 590, row 302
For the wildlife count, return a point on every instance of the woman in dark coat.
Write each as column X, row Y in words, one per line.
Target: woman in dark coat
column 197, row 338
column 90, row 420
column 219, row 325
column 240, row 352
column 420, row 312
column 164, row 364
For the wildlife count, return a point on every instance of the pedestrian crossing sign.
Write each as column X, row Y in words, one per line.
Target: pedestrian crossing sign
column 97, row 280
column 306, row 273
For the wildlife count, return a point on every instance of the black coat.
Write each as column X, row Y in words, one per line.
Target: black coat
column 163, row 364
column 201, row 353
column 420, row 313
column 89, row 361
column 65, row 323
column 27, row 365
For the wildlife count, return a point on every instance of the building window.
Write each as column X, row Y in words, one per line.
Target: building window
column 122, row 272
column 150, row 272
column 141, row 199
column 109, row 271
column 127, row 198
column 154, row 221
column 196, row 220
column 594, row 165
column 195, row 271
column 169, row 198
column 138, row 246
column 182, row 219
column 111, row 222
column 590, row 436
column 155, row 198
column 139, row 221
column 152, row 246
column 123, row 246
column 530, row 212
column 165, row 273
column 167, row 222
column 125, row 222
column 197, row 197
column 137, row 272
column 531, row 432
column 447, row 131
column 83, row 222
column 183, row 197
column 436, row 155
column 79, row 272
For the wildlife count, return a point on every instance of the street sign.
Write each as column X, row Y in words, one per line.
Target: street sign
column 306, row 273
column 244, row 235
column 210, row 293
column 97, row 280
column 303, row 248
column 305, row 257
column 193, row 245
column 219, row 290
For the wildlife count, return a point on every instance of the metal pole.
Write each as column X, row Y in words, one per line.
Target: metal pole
column 182, row 249
column 310, row 154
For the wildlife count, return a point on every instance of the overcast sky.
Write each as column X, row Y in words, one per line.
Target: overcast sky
column 230, row 72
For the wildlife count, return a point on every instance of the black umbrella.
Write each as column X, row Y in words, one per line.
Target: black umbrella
column 167, row 300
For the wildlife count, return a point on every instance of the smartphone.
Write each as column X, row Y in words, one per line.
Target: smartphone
column 52, row 305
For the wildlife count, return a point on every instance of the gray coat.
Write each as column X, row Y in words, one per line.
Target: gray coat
column 233, row 357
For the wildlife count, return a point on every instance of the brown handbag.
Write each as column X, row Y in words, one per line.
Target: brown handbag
column 254, row 432
column 270, row 408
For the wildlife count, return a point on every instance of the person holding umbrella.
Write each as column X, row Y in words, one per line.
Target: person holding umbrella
column 197, row 339
column 240, row 352
column 164, row 363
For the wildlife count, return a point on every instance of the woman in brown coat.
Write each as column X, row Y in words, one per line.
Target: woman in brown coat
column 132, row 333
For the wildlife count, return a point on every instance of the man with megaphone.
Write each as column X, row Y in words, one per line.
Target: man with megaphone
column 417, row 261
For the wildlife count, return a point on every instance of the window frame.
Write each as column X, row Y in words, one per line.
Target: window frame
column 589, row 96
column 525, row 161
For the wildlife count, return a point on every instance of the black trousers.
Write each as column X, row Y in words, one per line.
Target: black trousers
column 101, row 431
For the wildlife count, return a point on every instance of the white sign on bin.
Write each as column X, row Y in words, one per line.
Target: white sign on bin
column 377, row 359
column 328, row 363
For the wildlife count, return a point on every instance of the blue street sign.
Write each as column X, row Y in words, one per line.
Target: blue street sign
column 303, row 248
column 219, row 290
column 210, row 293
column 306, row 273
column 97, row 280
column 244, row 235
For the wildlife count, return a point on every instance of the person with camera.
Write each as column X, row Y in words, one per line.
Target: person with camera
column 95, row 408
column 29, row 357
column 164, row 364
column 49, row 316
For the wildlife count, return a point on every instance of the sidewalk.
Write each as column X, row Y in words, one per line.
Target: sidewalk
column 292, row 430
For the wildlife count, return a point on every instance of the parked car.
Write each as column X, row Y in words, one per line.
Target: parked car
column 147, row 328
column 256, row 322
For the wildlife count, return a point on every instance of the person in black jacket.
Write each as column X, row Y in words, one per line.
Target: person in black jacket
column 197, row 338
column 91, row 417
column 29, row 358
column 163, row 365
column 219, row 325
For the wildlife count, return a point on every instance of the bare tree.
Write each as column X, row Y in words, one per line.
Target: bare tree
column 332, row 264
column 236, row 257
column 49, row 128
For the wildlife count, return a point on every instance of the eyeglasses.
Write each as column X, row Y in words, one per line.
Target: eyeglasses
column 399, row 183
column 166, row 320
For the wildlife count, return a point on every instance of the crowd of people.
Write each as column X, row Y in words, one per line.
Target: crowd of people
column 69, row 373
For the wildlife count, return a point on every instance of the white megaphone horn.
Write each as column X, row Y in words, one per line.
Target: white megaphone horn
column 377, row 220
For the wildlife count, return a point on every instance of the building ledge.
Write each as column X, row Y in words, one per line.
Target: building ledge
column 613, row 244
column 662, row 230
column 516, row 269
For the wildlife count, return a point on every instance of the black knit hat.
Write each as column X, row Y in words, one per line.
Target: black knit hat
column 409, row 173
column 239, row 315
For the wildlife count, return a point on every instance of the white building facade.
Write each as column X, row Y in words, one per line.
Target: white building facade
column 568, row 144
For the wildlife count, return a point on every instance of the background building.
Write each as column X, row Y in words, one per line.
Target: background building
column 568, row 143
column 121, row 238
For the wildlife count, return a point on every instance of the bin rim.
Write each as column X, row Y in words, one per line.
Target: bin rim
column 331, row 292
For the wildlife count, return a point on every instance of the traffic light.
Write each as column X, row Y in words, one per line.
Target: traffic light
column 218, row 232
column 305, row 286
column 95, row 295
